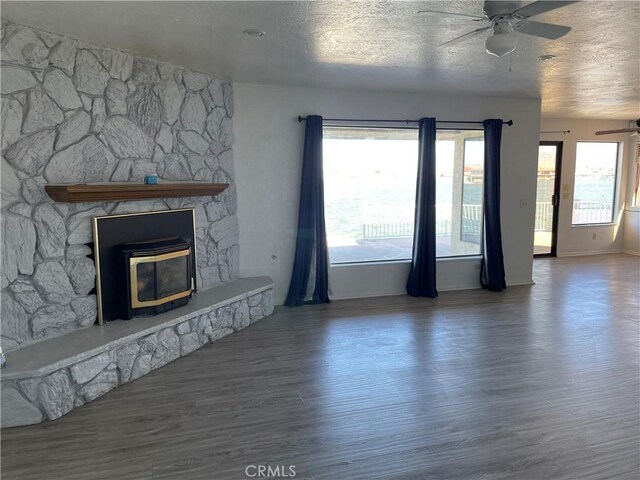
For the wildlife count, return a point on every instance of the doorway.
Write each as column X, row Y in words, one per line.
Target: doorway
column 547, row 198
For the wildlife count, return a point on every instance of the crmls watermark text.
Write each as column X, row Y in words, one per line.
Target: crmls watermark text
column 270, row 471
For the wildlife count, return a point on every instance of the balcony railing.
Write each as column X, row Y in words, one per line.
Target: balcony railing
column 379, row 227
column 544, row 217
column 583, row 213
column 592, row 212
column 400, row 229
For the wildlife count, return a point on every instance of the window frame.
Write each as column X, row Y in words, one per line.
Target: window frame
column 615, row 203
column 409, row 126
column 480, row 254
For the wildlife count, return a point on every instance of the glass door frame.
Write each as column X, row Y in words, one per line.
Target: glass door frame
column 555, row 198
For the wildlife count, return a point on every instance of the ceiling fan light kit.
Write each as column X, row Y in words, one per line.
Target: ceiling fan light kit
column 503, row 40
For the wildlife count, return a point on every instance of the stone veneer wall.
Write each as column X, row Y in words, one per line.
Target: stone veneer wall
column 75, row 113
column 31, row 400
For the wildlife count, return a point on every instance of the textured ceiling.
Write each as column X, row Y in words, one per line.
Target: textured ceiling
column 372, row 46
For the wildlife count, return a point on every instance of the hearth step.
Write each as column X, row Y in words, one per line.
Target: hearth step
column 49, row 379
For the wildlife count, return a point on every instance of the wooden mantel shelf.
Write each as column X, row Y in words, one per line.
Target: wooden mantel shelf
column 106, row 192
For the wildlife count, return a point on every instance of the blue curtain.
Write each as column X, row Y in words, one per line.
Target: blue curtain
column 492, row 275
column 422, row 278
column 311, row 242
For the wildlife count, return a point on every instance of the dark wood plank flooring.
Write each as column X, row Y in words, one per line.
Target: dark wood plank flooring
column 539, row 382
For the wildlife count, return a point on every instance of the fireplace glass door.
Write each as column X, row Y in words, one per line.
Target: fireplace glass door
column 159, row 275
column 159, row 278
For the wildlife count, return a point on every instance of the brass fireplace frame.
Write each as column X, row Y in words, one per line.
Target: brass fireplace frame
column 133, row 275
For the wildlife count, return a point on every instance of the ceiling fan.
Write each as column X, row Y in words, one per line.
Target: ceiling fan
column 631, row 129
column 505, row 18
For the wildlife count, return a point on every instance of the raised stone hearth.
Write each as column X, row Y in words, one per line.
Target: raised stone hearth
column 49, row 379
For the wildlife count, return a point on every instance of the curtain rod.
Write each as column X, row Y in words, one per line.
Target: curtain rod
column 564, row 132
column 302, row 119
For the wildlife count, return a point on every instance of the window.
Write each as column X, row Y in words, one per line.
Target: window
column 459, row 181
column 369, row 192
column 370, row 184
column 595, row 182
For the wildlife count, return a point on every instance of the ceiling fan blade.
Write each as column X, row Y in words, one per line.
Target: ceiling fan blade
column 536, row 8
column 540, row 29
column 459, row 39
column 620, row 130
column 475, row 18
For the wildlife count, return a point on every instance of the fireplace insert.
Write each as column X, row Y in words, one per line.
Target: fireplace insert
column 158, row 275
column 145, row 236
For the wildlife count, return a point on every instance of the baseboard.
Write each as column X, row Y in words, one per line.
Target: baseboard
column 517, row 284
column 455, row 288
column 280, row 301
column 631, row 252
column 593, row 252
column 366, row 295
column 450, row 288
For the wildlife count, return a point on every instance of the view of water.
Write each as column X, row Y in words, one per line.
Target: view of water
column 585, row 190
column 372, row 181
column 375, row 181
column 347, row 209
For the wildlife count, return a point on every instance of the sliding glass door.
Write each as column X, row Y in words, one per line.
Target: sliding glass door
column 547, row 198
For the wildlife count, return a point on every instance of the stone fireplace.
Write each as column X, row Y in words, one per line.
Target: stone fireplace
column 74, row 113
column 77, row 113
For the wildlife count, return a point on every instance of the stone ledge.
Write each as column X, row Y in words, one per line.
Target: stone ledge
column 50, row 378
column 47, row 356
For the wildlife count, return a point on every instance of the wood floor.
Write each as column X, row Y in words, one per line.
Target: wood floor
column 539, row 382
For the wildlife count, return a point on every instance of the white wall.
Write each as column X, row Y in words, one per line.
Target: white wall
column 268, row 156
column 579, row 240
column 631, row 216
column 631, row 240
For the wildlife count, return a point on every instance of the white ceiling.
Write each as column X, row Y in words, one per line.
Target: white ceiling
column 371, row 46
